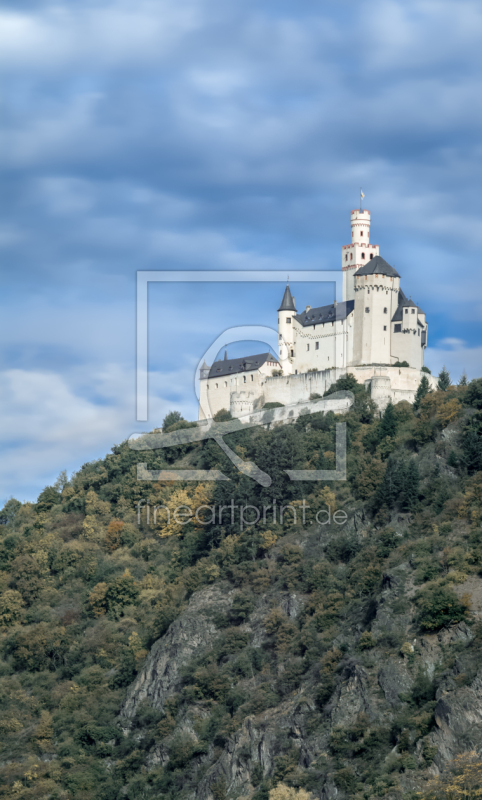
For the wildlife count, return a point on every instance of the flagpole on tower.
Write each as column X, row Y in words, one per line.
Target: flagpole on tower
column 361, row 198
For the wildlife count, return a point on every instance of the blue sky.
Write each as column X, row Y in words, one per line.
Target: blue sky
column 210, row 135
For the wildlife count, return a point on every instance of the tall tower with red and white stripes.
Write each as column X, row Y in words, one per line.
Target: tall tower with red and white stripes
column 358, row 252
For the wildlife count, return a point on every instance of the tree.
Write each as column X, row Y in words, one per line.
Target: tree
column 170, row 419
column 473, row 396
column 410, row 487
column 422, row 391
column 283, row 792
column 444, row 381
column 461, row 780
column 438, row 606
column 388, row 424
column 9, row 511
column 463, row 379
column 48, row 498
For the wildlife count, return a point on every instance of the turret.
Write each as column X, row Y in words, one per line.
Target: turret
column 286, row 312
column 377, row 286
column 358, row 252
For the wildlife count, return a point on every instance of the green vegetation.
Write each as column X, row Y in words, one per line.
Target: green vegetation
column 88, row 584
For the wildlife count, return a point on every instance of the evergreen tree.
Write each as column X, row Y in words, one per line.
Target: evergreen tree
column 463, row 379
column 472, row 450
column 422, row 391
column 410, row 489
column 388, row 424
column 473, row 396
column 444, row 381
column 170, row 419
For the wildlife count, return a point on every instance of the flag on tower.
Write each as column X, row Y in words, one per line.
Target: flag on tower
column 361, row 198
column 362, row 195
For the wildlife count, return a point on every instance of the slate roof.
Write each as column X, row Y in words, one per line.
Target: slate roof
column 377, row 266
column 231, row 366
column 317, row 316
column 287, row 303
column 403, row 302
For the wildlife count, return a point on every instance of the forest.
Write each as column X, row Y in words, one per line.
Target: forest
column 326, row 655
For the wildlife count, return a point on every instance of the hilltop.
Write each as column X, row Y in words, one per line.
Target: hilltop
column 203, row 659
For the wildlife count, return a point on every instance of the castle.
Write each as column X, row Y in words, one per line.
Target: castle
column 369, row 334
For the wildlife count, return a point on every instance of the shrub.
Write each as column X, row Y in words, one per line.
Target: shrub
column 438, row 606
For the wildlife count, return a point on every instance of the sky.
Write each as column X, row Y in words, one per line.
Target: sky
column 158, row 135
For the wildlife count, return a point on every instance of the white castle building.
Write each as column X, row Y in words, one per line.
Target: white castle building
column 374, row 330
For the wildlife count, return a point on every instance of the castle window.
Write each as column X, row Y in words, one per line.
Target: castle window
column 225, row 384
column 317, row 345
column 252, row 377
column 367, row 310
column 307, row 346
column 363, row 255
column 385, row 310
column 217, row 386
column 244, row 378
column 406, row 311
column 292, row 353
column 346, row 256
column 351, row 256
column 413, row 311
column 361, row 233
column 398, row 329
column 288, row 320
column 384, row 327
column 280, row 336
column 371, row 255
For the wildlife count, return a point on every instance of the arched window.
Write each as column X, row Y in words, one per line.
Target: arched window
column 361, row 233
column 385, row 310
column 363, row 255
column 346, row 256
column 351, row 256
column 371, row 255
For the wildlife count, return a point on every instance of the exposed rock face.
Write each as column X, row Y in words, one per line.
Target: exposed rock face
column 394, row 678
column 352, row 695
column 188, row 636
column 458, row 718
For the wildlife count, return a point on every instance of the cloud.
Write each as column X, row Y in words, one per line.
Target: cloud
column 160, row 135
column 456, row 356
column 51, row 422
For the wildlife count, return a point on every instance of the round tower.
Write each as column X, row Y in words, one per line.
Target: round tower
column 358, row 252
column 286, row 312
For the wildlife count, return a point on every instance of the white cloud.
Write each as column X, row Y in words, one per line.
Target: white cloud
column 48, row 423
column 457, row 357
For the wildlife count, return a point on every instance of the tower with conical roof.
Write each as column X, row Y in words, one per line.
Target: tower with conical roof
column 358, row 252
column 286, row 313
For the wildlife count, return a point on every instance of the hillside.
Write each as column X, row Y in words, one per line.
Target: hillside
column 204, row 659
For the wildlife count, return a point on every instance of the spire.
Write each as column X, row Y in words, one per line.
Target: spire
column 225, row 353
column 287, row 303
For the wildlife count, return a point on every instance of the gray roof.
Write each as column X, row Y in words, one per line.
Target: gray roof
column 230, row 366
column 377, row 266
column 403, row 302
column 287, row 303
column 317, row 316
